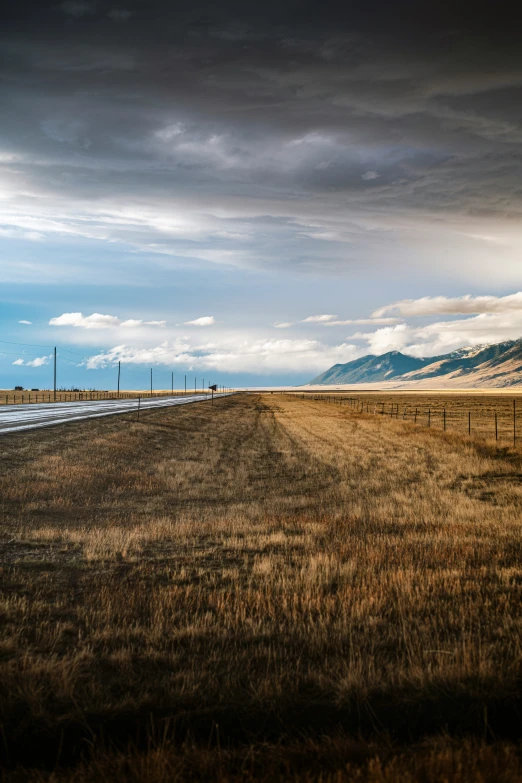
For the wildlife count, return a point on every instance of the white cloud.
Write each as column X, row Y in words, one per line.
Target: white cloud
column 28, row 323
column 205, row 320
column 318, row 319
column 233, row 355
column 99, row 321
column 364, row 321
column 459, row 305
column 445, row 336
column 284, row 325
column 16, row 233
column 38, row 362
column 389, row 338
column 94, row 321
column 369, row 175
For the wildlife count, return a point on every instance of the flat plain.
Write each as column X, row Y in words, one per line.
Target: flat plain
column 269, row 588
column 484, row 414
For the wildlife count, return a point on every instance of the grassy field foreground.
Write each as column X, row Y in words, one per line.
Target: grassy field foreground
column 265, row 589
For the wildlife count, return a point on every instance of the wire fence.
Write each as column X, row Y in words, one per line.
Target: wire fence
column 48, row 396
column 495, row 418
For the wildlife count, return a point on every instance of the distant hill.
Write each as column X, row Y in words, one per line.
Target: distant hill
column 371, row 368
column 497, row 365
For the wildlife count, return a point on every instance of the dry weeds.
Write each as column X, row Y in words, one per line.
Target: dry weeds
column 488, row 415
column 270, row 588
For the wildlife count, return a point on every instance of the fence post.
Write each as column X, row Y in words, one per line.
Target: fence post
column 444, row 419
column 496, row 426
column 139, row 404
column 514, row 422
column 469, row 422
column 429, row 417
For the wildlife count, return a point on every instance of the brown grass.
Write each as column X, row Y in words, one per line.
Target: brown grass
column 427, row 409
column 267, row 589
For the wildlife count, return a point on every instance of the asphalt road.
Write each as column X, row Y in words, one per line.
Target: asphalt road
column 15, row 418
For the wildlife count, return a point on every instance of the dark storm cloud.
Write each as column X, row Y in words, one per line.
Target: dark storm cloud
column 298, row 128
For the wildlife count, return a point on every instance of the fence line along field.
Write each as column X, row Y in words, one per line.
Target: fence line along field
column 273, row 588
column 491, row 416
column 10, row 397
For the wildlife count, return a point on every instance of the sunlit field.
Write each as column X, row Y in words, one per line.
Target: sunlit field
column 272, row 588
column 496, row 416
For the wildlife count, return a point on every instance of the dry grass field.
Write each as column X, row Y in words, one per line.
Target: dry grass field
column 267, row 589
column 487, row 415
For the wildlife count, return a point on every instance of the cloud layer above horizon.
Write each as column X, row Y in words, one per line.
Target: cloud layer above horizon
column 259, row 188
column 274, row 136
column 488, row 319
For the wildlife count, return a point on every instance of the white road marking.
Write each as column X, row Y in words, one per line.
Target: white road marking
column 14, row 418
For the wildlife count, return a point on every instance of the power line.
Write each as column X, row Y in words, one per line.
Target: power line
column 8, row 353
column 69, row 351
column 59, row 349
column 30, row 345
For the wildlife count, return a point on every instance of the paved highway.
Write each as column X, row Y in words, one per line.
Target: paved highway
column 14, row 418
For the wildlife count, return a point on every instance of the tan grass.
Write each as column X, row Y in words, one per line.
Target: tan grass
column 287, row 571
column 487, row 415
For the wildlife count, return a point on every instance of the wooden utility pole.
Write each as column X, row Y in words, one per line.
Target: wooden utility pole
column 55, row 373
column 151, row 381
column 119, row 369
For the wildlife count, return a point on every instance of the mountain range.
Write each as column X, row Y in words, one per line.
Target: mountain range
column 495, row 365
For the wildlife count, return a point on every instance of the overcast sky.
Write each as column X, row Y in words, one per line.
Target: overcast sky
column 253, row 192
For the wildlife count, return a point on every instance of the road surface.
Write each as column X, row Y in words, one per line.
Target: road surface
column 14, row 418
